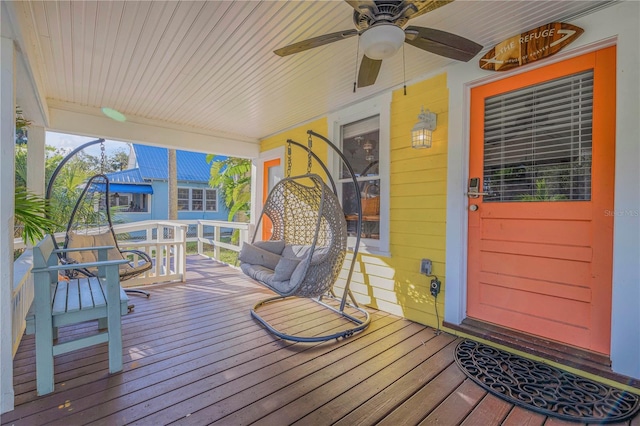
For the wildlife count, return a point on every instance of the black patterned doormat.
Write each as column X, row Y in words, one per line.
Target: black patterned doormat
column 543, row 388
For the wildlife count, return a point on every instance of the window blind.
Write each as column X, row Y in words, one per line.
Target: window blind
column 537, row 141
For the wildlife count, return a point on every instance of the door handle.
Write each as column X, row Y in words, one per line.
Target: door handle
column 474, row 188
column 477, row 194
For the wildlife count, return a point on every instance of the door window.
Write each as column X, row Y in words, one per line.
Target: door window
column 537, row 142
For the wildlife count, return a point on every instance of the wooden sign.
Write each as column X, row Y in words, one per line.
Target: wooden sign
column 530, row 46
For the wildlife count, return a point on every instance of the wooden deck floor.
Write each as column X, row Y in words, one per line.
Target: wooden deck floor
column 194, row 355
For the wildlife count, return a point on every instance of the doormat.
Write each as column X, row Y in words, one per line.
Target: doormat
column 543, row 388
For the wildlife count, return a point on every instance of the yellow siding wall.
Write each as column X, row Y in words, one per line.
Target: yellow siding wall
column 417, row 207
column 298, row 155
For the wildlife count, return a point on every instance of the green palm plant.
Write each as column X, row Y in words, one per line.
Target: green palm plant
column 233, row 176
column 30, row 216
column 30, row 210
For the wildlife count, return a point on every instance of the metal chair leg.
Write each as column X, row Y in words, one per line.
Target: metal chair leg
column 140, row 292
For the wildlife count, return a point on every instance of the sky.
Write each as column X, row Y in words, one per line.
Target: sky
column 69, row 142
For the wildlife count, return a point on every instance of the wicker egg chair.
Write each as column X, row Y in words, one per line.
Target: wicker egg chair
column 307, row 249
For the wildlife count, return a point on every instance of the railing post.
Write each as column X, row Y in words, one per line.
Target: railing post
column 183, row 252
column 216, row 240
column 244, row 237
column 159, row 249
column 200, row 235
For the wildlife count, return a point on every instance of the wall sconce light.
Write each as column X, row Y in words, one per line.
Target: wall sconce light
column 422, row 132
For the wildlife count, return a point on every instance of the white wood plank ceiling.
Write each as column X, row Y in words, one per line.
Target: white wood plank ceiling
column 210, row 65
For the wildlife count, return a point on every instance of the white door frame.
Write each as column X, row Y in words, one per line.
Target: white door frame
column 257, row 172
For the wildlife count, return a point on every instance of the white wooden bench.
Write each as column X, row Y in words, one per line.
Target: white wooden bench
column 59, row 303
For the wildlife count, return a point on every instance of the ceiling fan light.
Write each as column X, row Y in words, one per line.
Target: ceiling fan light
column 382, row 41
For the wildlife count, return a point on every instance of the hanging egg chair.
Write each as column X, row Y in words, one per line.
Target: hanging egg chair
column 307, row 248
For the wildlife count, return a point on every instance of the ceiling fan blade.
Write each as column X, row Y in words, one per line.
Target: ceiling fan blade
column 421, row 6
column 369, row 69
column 314, row 42
column 442, row 43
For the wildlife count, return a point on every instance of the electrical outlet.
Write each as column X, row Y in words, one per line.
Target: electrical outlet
column 434, row 287
column 425, row 267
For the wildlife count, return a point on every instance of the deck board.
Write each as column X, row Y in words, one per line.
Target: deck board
column 193, row 355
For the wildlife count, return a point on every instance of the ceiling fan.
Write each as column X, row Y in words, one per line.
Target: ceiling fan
column 380, row 24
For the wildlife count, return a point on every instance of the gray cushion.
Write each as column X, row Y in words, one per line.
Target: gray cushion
column 319, row 254
column 285, row 268
column 257, row 256
column 296, row 251
column 275, row 246
column 265, row 276
column 258, row 272
column 281, row 287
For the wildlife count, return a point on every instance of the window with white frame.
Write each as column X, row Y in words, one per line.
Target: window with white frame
column 211, row 197
column 197, row 199
column 184, row 199
column 197, row 196
column 362, row 134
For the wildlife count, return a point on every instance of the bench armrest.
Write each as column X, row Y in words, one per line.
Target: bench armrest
column 80, row 265
column 84, row 249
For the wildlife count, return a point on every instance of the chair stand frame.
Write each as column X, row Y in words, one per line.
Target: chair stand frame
column 49, row 193
column 360, row 324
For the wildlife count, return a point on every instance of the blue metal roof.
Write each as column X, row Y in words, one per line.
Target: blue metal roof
column 153, row 164
column 126, row 176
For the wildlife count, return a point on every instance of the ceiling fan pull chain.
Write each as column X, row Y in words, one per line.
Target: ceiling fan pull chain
column 355, row 73
column 404, row 72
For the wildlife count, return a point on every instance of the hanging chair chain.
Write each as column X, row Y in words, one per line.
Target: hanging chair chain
column 103, row 159
column 288, row 159
column 309, row 145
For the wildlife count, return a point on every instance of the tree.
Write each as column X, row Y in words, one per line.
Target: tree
column 233, row 176
column 21, row 127
column 66, row 190
column 117, row 161
column 30, row 210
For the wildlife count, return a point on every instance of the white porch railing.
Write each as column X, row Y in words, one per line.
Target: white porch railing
column 21, row 296
column 164, row 241
column 214, row 229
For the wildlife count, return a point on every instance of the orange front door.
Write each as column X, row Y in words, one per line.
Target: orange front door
column 272, row 174
column 540, row 227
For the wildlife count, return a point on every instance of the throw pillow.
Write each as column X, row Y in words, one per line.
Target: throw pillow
column 275, row 246
column 256, row 256
column 284, row 269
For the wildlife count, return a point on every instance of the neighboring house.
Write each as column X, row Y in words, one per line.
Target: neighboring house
column 143, row 190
